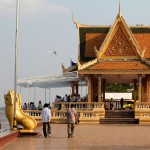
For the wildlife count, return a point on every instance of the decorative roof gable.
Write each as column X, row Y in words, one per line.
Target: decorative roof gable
column 118, row 48
column 119, row 43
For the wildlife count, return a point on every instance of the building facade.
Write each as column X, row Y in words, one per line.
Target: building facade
column 114, row 54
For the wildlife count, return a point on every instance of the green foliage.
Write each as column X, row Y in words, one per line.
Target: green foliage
column 83, row 31
column 120, row 87
column 140, row 30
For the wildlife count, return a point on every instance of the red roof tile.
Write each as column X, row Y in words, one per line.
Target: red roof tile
column 119, row 66
column 144, row 41
column 96, row 39
column 93, row 39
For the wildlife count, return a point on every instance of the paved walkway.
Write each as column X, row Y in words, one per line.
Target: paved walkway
column 87, row 137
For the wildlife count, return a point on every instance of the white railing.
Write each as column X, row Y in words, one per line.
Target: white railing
column 90, row 111
column 142, row 111
column 78, row 105
column 85, row 110
column 142, row 106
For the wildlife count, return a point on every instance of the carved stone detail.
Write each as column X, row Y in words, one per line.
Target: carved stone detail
column 120, row 46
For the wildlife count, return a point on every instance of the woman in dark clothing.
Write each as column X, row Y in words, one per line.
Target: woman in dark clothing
column 121, row 103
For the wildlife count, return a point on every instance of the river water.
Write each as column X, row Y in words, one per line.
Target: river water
column 3, row 120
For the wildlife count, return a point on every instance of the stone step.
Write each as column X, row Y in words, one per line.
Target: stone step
column 119, row 114
column 118, row 121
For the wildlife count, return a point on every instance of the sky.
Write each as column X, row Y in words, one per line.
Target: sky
column 46, row 25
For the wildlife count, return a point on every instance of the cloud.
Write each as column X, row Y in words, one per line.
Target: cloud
column 31, row 7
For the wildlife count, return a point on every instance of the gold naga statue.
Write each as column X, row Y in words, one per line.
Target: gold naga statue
column 22, row 119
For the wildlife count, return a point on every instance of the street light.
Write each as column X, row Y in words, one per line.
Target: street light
column 16, row 64
column 51, row 52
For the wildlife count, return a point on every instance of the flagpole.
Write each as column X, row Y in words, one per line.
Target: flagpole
column 16, row 63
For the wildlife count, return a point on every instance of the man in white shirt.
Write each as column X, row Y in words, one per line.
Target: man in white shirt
column 46, row 117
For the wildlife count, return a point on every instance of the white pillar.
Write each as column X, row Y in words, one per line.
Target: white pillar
column 34, row 93
column 45, row 95
column 49, row 95
column 28, row 92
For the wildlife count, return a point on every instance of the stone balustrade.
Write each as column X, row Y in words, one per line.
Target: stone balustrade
column 142, row 106
column 86, row 111
column 89, row 112
column 78, row 105
column 142, row 111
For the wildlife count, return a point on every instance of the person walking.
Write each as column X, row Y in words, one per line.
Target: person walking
column 40, row 107
column 71, row 119
column 121, row 103
column 46, row 117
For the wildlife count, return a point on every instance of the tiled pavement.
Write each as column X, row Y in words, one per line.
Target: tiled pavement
column 87, row 137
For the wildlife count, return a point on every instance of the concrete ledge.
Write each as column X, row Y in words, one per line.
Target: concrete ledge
column 82, row 121
column 7, row 137
column 144, row 121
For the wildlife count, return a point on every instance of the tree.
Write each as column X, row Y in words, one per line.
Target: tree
column 118, row 87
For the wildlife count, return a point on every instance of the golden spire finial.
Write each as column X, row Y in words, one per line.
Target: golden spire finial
column 119, row 12
column 73, row 18
column 63, row 68
column 75, row 22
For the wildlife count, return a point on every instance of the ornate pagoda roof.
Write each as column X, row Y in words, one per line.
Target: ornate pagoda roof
column 118, row 47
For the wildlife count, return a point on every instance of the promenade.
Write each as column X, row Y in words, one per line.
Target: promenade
column 87, row 137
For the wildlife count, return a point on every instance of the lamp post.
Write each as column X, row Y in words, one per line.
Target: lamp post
column 49, row 95
column 16, row 64
column 55, row 53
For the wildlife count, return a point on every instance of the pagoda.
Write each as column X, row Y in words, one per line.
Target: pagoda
column 114, row 54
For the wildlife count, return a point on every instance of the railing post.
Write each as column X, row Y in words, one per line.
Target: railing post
column 139, row 87
column 81, row 114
